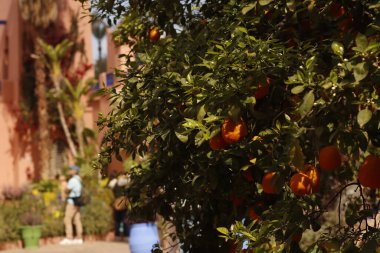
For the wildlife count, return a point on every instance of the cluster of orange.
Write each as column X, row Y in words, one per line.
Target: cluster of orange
column 302, row 183
column 307, row 181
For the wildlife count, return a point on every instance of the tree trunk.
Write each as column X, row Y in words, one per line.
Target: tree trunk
column 79, row 126
column 78, row 113
column 66, row 130
column 69, row 139
column 43, row 120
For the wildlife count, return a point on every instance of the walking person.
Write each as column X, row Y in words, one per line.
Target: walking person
column 72, row 211
column 118, row 185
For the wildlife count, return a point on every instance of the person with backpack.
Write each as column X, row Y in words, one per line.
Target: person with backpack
column 72, row 211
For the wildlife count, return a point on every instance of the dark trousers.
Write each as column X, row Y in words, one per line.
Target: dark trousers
column 120, row 221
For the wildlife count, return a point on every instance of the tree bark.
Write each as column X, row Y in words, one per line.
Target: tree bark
column 66, row 130
column 79, row 126
column 43, row 119
column 69, row 139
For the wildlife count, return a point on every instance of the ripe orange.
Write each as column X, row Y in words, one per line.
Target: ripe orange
column 252, row 214
column 154, row 34
column 268, row 185
column 300, row 184
column 297, row 237
column 217, row 142
column 262, row 90
column 305, row 182
column 329, row 158
column 248, row 175
column 369, row 172
column 252, row 211
column 313, row 174
column 345, row 24
column 337, row 10
column 233, row 132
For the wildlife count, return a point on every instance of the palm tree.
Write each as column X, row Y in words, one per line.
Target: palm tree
column 37, row 16
column 51, row 57
column 69, row 95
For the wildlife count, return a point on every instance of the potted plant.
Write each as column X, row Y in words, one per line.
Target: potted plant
column 31, row 229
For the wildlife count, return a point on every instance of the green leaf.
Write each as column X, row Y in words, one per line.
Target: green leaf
column 265, row 2
column 249, row 236
column 360, row 71
column 247, row 8
column 307, row 104
column 219, row 47
column 310, row 62
column 211, row 118
column 280, row 248
column 337, row 48
column 250, row 100
column 223, row 230
column 364, row 116
column 296, row 155
column 243, row 30
column 234, row 112
column 195, row 179
column 181, row 137
column 190, row 123
column 375, row 5
column 201, row 113
column 291, row 5
column 199, row 138
column 245, row 167
column 361, row 42
column 372, row 46
column 298, row 89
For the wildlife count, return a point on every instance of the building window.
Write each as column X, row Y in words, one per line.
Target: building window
column 109, row 79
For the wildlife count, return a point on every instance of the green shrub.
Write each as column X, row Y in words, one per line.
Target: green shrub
column 97, row 216
column 53, row 220
column 46, row 186
column 9, row 220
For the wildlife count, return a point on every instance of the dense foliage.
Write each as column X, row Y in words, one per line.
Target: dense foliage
column 43, row 203
column 294, row 76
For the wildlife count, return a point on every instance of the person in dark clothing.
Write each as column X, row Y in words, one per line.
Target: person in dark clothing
column 118, row 185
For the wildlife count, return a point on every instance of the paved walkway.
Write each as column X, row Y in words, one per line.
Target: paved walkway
column 87, row 247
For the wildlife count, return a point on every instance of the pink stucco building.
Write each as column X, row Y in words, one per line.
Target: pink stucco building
column 18, row 151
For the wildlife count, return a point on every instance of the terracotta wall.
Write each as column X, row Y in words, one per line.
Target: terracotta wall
column 16, row 161
column 16, row 156
column 13, row 162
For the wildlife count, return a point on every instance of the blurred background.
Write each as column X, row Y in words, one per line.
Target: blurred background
column 52, row 63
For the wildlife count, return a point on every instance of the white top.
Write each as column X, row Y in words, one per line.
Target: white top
column 75, row 187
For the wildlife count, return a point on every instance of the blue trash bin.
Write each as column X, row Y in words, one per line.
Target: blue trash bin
column 142, row 237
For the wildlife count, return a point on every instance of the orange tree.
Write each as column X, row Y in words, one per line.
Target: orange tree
column 252, row 117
